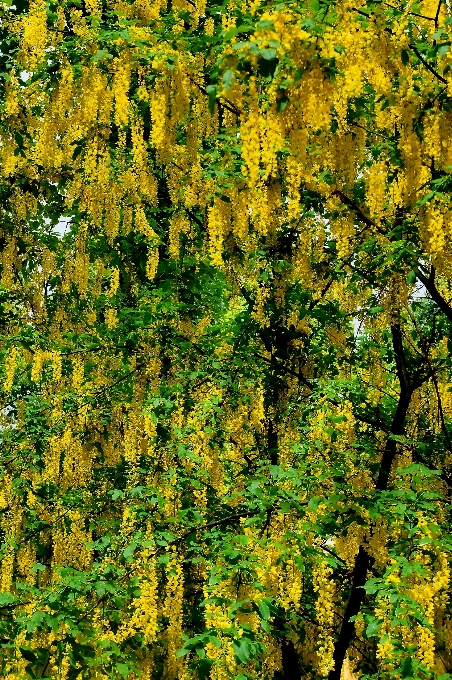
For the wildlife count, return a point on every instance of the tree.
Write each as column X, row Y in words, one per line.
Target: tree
column 226, row 320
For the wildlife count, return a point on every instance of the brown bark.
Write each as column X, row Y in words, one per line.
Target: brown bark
column 363, row 560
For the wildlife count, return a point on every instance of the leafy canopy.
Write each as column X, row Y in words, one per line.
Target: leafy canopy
column 225, row 339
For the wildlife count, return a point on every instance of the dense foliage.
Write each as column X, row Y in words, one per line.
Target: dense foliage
column 226, row 335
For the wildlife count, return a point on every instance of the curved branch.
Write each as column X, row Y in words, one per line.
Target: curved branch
column 414, row 49
column 429, row 283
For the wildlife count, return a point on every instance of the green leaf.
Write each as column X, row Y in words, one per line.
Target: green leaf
column 241, row 650
column 235, row 30
column 36, row 620
column 129, row 550
column 314, row 502
column 411, row 278
column 100, row 54
column 182, row 652
column 7, row 598
column 268, row 53
column 212, row 92
column 282, row 103
column 372, row 585
column 228, row 78
column 215, row 641
column 264, row 609
column 117, row 493
column 373, row 513
column 427, row 198
column 372, row 628
column 440, row 34
column 28, row 653
column 77, row 151
column 123, row 669
column 407, row 668
column 203, row 668
column 425, row 540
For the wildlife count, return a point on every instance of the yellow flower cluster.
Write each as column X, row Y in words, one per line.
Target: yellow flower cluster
column 216, row 233
column 173, row 609
column 10, row 369
column 324, row 587
column 34, row 34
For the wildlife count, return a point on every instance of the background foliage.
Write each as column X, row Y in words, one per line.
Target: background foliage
column 225, row 319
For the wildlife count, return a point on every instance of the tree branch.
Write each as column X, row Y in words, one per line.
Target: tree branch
column 429, row 283
column 363, row 560
column 414, row 49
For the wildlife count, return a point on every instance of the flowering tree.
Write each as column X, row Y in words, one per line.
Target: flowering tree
column 225, row 326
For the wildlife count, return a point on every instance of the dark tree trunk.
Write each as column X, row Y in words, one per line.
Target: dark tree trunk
column 363, row 561
column 290, row 664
